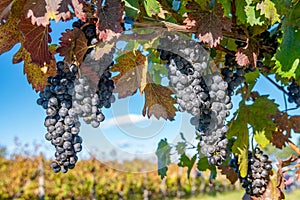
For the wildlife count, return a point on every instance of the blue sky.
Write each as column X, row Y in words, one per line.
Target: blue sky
column 125, row 130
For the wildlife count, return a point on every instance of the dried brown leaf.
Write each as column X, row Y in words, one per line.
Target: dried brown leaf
column 247, row 55
column 159, row 102
column 230, row 174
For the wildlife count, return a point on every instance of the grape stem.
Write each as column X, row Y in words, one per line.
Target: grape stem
column 294, row 147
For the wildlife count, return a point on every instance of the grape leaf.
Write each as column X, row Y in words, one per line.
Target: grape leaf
column 132, row 8
column 247, row 55
column 152, row 7
column 159, row 102
column 132, row 67
column 37, row 75
column 240, row 11
column 226, row 5
column 180, row 147
column 9, row 36
column 288, row 53
column 203, row 165
column 44, row 10
column 207, row 24
column 284, row 122
column 36, row 41
column 5, row 6
column 73, row 45
column 110, row 18
column 229, row 172
column 243, row 161
column 103, row 48
column 251, row 15
column 163, row 157
column 261, row 138
column 268, row 9
column 279, row 138
column 185, row 161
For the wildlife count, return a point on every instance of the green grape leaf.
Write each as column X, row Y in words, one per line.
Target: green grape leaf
column 159, row 102
column 208, row 25
column 268, row 9
column 163, row 157
column 261, row 139
column 243, row 161
column 180, row 147
column 185, row 161
column 240, row 11
column 133, row 70
column 132, row 8
column 73, row 45
column 203, row 164
column 226, row 5
column 288, row 53
column 152, row 7
column 36, row 41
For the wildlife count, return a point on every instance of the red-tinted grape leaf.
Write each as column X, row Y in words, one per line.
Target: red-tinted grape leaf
column 159, row 102
column 230, row 174
column 247, row 55
column 284, row 122
column 131, row 67
column 44, row 10
column 207, row 24
column 37, row 75
column 36, row 41
column 73, row 45
column 63, row 10
column 78, row 9
column 110, row 17
column 279, row 139
column 9, row 36
column 5, row 6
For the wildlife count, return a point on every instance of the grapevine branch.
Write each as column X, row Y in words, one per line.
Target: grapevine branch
column 294, row 147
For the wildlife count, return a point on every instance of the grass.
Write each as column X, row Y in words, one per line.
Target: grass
column 236, row 195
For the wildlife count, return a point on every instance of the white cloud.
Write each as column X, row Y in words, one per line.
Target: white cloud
column 123, row 120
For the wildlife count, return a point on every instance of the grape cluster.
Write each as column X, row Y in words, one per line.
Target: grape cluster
column 204, row 96
column 213, row 141
column 233, row 74
column 258, row 174
column 62, row 120
column 294, row 93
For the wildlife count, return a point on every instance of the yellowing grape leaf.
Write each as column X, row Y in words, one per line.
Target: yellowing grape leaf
column 268, row 9
column 37, row 75
column 207, row 25
column 159, row 102
column 251, row 15
column 36, row 41
column 133, row 70
column 110, row 18
column 243, row 161
column 103, row 48
column 229, row 172
column 261, row 139
column 9, row 36
column 152, row 7
column 73, row 45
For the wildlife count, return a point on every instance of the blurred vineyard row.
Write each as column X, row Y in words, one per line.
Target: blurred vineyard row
column 31, row 178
